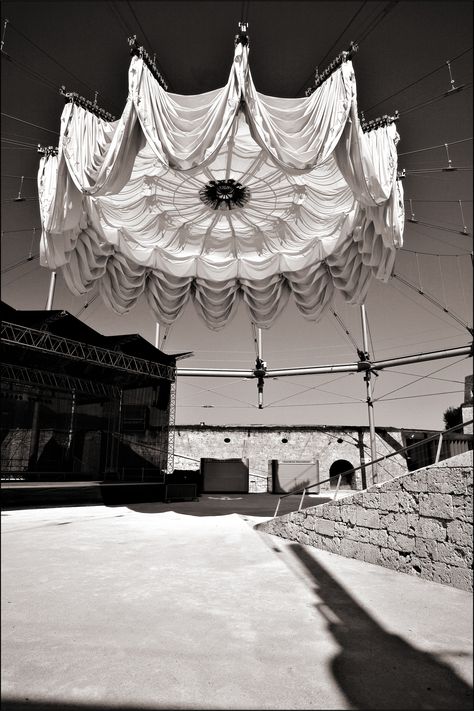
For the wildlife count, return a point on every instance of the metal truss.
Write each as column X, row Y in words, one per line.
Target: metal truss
column 43, row 378
column 16, row 335
column 171, row 428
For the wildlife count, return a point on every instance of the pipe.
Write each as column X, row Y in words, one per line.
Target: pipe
column 52, row 284
column 370, row 403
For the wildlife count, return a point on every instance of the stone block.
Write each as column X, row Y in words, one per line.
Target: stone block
column 371, row 553
column 394, row 522
column 370, row 500
column 436, row 505
column 388, row 501
column 400, row 542
column 407, row 502
column 341, row 529
column 378, row 537
column 349, row 514
column 460, row 532
column 448, row 554
column 426, row 548
column 357, row 533
column 461, row 578
column 430, row 528
column 441, row 573
column 324, row 527
column 389, row 558
column 415, row 482
column 462, row 508
column 368, row 518
column 446, row 481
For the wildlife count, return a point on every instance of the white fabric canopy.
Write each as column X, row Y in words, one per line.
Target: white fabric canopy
column 121, row 204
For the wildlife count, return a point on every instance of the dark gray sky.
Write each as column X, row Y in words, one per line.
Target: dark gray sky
column 401, row 64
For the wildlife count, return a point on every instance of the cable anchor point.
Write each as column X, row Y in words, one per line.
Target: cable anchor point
column 453, row 89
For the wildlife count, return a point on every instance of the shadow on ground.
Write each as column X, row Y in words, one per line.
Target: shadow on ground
column 376, row 669
column 31, row 705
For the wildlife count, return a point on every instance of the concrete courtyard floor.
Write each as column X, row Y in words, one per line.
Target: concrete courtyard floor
column 134, row 608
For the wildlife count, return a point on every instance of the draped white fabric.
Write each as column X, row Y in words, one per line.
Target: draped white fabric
column 121, row 206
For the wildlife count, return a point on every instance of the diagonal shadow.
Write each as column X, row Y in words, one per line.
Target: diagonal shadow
column 376, row 669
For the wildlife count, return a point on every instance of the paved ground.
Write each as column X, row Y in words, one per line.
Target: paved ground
column 129, row 608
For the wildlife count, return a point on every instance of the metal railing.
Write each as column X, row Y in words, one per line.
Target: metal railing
column 352, row 470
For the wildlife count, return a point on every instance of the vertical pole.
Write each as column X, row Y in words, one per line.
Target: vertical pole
column 52, row 283
column 157, row 335
column 370, row 404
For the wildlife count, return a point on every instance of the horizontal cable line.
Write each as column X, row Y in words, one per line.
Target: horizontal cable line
column 440, row 201
column 444, row 228
column 396, row 371
column 444, row 242
column 435, row 254
column 427, row 171
column 23, row 199
column 35, row 125
column 40, row 49
column 403, row 112
column 17, row 142
column 420, row 395
column 17, row 136
column 425, row 76
column 27, row 229
column 418, row 378
column 32, row 74
column 19, row 264
column 25, row 177
column 431, row 148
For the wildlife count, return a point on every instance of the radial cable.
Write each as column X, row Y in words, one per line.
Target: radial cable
column 425, row 76
column 433, row 301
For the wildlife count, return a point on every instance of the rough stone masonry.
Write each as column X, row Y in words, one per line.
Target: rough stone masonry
column 419, row 523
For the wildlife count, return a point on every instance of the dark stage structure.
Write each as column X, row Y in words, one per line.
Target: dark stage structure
column 80, row 406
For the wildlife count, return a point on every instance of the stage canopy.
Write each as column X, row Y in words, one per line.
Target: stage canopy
column 223, row 196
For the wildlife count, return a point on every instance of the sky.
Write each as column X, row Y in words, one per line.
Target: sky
column 401, row 64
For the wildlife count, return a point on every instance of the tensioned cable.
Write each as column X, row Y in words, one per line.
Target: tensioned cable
column 125, row 26
column 32, row 74
column 404, row 112
column 40, row 49
column 27, row 229
column 427, row 171
column 16, row 278
column 129, row 5
column 320, row 389
column 17, row 142
column 396, row 371
column 438, row 201
column 444, row 242
column 434, row 254
column 425, row 76
column 431, row 148
column 420, row 395
column 438, row 227
column 321, row 62
column 346, row 330
column 377, row 20
column 20, row 263
column 229, row 397
column 35, row 125
column 25, row 177
column 432, row 300
column 418, row 378
column 418, row 305
column 87, row 304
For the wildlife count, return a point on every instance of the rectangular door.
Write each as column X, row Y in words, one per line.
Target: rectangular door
column 225, row 476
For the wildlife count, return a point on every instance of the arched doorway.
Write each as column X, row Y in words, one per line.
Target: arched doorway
column 338, row 467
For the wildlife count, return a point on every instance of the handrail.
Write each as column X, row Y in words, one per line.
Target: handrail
column 438, row 436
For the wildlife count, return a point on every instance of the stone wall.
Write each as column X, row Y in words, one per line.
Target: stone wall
column 419, row 523
column 262, row 444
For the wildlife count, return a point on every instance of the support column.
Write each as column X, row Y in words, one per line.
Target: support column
column 52, row 284
column 370, row 404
